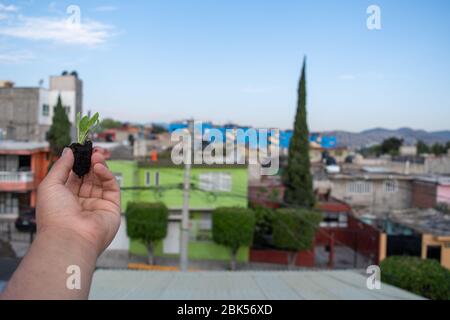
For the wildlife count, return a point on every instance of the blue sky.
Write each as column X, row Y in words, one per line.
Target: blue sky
column 240, row 60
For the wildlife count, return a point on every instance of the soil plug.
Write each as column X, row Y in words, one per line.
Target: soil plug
column 82, row 150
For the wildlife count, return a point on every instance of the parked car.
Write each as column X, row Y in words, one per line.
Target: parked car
column 26, row 222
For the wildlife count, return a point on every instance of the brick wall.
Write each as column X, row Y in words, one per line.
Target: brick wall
column 424, row 194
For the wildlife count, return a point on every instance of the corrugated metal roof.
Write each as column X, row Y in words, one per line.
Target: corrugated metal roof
column 441, row 180
column 213, row 285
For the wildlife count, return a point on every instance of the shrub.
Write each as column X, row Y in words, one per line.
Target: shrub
column 426, row 278
column 233, row 228
column 147, row 222
column 263, row 227
column 294, row 230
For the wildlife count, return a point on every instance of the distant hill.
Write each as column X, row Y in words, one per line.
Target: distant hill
column 377, row 135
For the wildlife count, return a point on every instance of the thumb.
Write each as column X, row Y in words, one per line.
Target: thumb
column 59, row 173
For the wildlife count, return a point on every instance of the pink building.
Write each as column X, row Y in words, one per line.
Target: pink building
column 430, row 191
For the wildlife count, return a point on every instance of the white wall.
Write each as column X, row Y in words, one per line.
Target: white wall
column 171, row 244
column 68, row 100
column 43, row 99
column 121, row 240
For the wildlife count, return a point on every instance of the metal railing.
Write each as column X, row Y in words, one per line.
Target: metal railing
column 16, row 177
column 9, row 233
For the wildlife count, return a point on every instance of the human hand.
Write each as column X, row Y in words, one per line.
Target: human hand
column 86, row 209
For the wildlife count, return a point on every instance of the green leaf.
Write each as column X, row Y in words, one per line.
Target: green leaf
column 93, row 121
column 78, row 119
column 85, row 125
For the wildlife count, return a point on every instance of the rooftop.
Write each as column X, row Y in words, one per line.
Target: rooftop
column 424, row 221
column 248, row 285
column 441, row 180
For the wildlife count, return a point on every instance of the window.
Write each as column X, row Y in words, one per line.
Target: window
column 215, row 181
column 434, row 252
column 390, row 186
column 10, row 133
column 359, row 187
column 201, row 227
column 9, row 163
column 147, row 178
column 45, row 110
column 334, row 220
column 9, row 203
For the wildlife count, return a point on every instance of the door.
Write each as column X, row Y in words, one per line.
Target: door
column 434, row 252
column 171, row 244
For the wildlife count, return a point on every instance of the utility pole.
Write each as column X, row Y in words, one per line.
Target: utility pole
column 185, row 212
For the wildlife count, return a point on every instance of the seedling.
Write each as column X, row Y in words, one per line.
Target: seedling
column 84, row 125
column 82, row 150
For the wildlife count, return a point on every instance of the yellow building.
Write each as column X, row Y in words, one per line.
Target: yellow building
column 424, row 233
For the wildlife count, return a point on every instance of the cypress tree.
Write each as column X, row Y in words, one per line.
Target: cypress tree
column 297, row 175
column 59, row 133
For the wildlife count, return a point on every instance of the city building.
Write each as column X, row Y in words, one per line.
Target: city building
column 211, row 187
column 340, row 227
column 23, row 165
column 422, row 233
column 27, row 111
column 428, row 192
column 125, row 134
column 372, row 190
column 143, row 148
column 408, row 150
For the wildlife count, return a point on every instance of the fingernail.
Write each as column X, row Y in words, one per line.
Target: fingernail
column 65, row 151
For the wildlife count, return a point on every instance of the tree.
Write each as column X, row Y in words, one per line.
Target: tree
column 422, row 147
column 109, row 123
column 372, row 151
column 294, row 230
column 59, row 134
column 424, row 277
column 263, row 227
column 391, row 146
column 297, row 176
column 233, row 228
column 157, row 129
column 447, row 145
column 438, row 149
column 147, row 222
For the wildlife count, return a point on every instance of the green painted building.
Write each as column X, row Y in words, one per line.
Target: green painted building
column 211, row 187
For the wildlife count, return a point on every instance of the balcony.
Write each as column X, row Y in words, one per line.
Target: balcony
column 16, row 181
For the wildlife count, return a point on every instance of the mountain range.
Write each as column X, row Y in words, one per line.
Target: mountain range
column 377, row 135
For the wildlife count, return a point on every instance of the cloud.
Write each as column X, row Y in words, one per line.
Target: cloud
column 16, row 57
column 59, row 30
column 105, row 8
column 53, row 7
column 347, row 77
column 8, row 8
